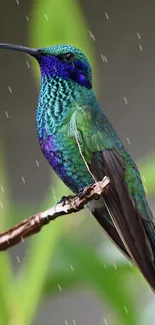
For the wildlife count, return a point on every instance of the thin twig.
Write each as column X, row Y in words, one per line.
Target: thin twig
column 68, row 205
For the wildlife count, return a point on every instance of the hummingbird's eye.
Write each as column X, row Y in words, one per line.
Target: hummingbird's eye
column 68, row 57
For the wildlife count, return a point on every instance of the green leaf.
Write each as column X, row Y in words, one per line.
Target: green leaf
column 5, row 263
column 108, row 282
column 65, row 279
column 147, row 169
column 5, row 288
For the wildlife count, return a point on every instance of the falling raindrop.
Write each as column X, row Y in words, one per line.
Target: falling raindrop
column 28, row 65
column 138, row 35
column 126, row 102
column 23, row 179
column 2, row 188
column 105, row 321
column 125, row 308
column 6, row 113
column 37, row 163
column 71, row 266
column 10, row 90
column 140, row 47
column 22, row 239
column 17, row 1
column 106, row 15
column 128, row 140
column 18, row 259
column 27, row 18
column 59, row 287
column 74, row 323
column 115, row 267
column 1, row 204
column 46, row 17
column 54, row 196
column 104, row 59
column 92, row 35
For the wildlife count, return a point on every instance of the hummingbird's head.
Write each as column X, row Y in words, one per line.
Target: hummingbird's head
column 67, row 62
column 63, row 61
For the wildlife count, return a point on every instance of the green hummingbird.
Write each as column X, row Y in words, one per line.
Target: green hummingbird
column 82, row 147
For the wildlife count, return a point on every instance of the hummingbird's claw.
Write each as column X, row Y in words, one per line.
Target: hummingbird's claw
column 65, row 199
column 82, row 191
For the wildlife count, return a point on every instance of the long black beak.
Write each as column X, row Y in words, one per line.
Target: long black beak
column 33, row 52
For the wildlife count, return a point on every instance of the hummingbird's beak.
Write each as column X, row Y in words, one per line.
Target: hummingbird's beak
column 33, row 52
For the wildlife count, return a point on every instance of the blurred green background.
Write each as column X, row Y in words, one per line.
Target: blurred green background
column 70, row 273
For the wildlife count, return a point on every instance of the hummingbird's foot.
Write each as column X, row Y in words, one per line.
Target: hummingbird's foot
column 65, row 199
column 82, row 191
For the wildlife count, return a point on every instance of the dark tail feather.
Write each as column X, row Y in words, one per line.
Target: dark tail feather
column 149, row 226
column 100, row 212
column 136, row 231
column 137, row 237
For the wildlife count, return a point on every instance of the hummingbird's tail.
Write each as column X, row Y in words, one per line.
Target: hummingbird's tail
column 132, row 219
column 101, row 214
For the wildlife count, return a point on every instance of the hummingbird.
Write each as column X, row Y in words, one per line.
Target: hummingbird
column 82, row 147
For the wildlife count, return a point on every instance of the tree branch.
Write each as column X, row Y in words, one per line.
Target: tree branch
column 68, row 205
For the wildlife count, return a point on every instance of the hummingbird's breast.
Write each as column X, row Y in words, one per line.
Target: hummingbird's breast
column 62, row 153
column 57, row 102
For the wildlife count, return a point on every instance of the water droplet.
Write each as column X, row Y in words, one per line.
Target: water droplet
column 28, row 65
column 23, row 179
column 59, row 287
column 2, row 188
column 37, row 163
column 125, row 308
column 92, row 35
column 104, row 59
column 27, row 18
column 17, row 1
column 128, row 140
column 74, row 323
column 126, row 102
column 140, row 47
column 10, row 90
column 6, row 113
column 138, row 35
column 22, row 239
column 18, row 259
column 115, row 267
column 106, row 15
column 105, row 321
column 1, row 204
column 54, row 196
column 46, row 17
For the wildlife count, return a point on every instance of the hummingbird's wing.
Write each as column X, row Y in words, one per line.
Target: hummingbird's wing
column 104, row 154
